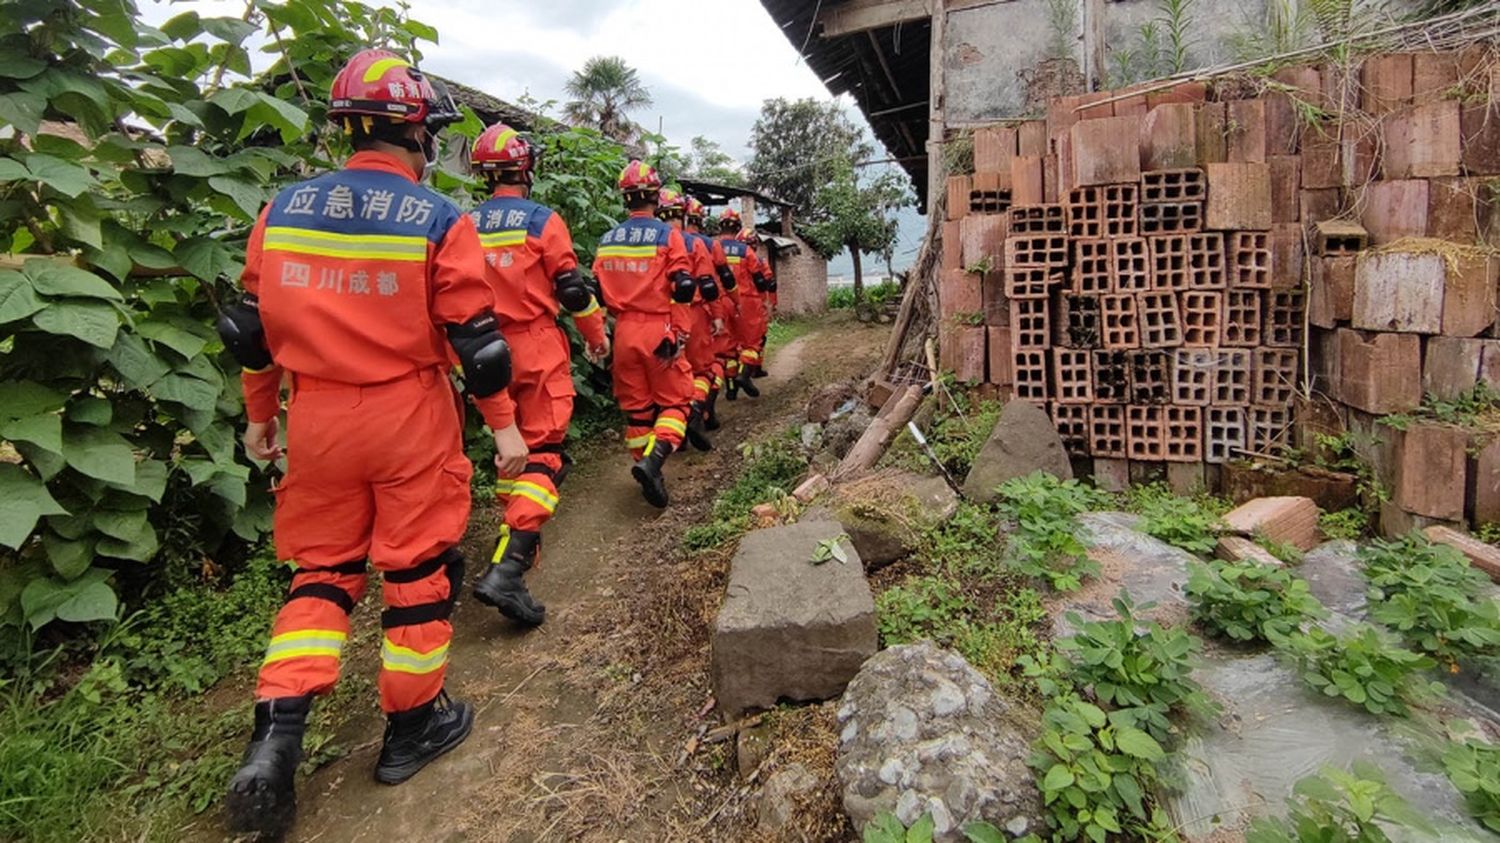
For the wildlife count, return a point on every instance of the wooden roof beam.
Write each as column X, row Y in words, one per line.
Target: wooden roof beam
column 854, row 16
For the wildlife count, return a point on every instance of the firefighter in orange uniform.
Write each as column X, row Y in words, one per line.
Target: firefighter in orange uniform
column 751, row 282
column 360, row 284
column 753, row 239
column 643, row 272
column 722, row 312
column 672, row 208
column 534, row 273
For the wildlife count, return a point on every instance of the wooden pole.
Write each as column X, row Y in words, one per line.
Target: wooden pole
column 891, row 419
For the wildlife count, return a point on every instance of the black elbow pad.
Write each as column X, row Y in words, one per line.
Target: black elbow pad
column 771, row 285
column 683, row 287
column 762, row 283
column 243, row 334
column 726, row 278
column 707, row 288
column 483, row 354
column 572, row 292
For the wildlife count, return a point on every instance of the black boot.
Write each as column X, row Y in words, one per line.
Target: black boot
column 415, row 738
column 647, row 472
column 759, row 372
column 748, row 385
column 502, row 585
column 732, row 388
column 562, row 473
column 711, row 416
column 262, row 798
column 696, row 435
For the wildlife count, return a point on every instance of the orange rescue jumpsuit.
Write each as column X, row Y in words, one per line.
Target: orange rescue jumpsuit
column 633, row 266
column 749, row 272
column 708, row 373
column 357, row 272
column 526, row 246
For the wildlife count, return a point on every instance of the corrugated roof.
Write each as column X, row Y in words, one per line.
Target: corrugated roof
column 886, row 71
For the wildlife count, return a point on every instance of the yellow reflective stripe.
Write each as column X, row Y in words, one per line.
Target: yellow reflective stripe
column 503, row 486
column 638, row 441
column 329, row 244
column 700, row 383
column 501, row 545
column 513, row 237
column 532, row 492
column 588, row 311
column 379, row 68
column 400, row 659
column 672, row 425
column 504, row 138
column 627, row 251
column 650, row 445
column 328, row 643
column 731, row 259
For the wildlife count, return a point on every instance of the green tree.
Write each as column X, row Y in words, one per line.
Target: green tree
column 604, row 92
column 858, row 215
column 707, row 161
column 798, row 147
column 810, row 153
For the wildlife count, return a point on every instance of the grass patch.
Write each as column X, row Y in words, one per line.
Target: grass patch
column 770, row 472
column 783, row 331
column 124, row 746
column 957, row 431
column 842, row 298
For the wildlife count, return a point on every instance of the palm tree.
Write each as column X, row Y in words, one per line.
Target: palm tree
column 603, row 93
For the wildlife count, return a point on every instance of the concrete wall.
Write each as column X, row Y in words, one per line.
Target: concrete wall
column 801, row 281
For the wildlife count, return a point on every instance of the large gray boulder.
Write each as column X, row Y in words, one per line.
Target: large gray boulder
column 885, row 513
column 924, row 732
column 1024, row 440
column 789, row 628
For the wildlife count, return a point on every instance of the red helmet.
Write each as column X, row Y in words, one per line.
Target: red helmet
column 502, row 148
column 670, row 203
column 639, row 177
column 729, row 221
column 694, row 210
column 748, row 235
column 379, row 83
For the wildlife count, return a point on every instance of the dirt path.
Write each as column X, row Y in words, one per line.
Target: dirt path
column 581, row 723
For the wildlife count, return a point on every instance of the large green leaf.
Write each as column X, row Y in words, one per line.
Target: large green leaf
column 150, row 480
column 22, row 110
column 26, row 501
column 65, row 177
column 92, row 321
column 122, row 525
column 17, row 298
column 234, row 100
column 19, row 399
column 80, row 222
column 139, row 549
column 99, row 453
column 13, row 170
column 136, row 363
column 207, row 258
column 229, row 30
column 88, row 598
column 290, row 120
column 191, row 161
column 93, row 602
column 183, row 342
column 69, row 557
column 186, row 389
column 44, row 431
column 246, row 197
column 55, row 278
column 47, row 464
column 91, row 409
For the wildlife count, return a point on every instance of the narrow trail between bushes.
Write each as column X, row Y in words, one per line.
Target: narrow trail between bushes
column 582, row 723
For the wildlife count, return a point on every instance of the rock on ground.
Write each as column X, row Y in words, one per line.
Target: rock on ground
column 1024, row 440
column 789, row 628
column 924, row 732
column 778, row 799
column 840, row 434
column 885, row 513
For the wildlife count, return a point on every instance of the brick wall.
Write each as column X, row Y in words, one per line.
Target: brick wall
column 801, row 281
column 1160, row 297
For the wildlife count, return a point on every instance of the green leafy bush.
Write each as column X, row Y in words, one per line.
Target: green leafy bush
column 1360, row 666
column 1249, row 601
column 1189, row 523
column 1096, row 772
column 1046, row 540
column 1474, row 769
column 1133, row 664
column 992, row 624
column 1338, row 806
column 842, row 298
column 961, row 422
column 1351, row 524
column 886, row 827
column 969, row 541
column 770, row 471
column 1432, row 596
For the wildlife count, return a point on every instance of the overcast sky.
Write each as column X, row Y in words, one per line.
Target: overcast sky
column 707, row 63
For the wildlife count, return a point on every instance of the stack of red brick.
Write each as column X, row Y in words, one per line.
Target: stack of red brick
column 1140, row 267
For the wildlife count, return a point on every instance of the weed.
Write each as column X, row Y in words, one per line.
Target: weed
column 1432, row 596
column 1474, row 409
column 1133, row 664
column 1189, row 523
column 1488, row 532
column 1360, row 666
column 1351, row 524
column 842, row 298
column 1474, row 769
column 1285, row 551
column 770, row 471
column 991, row 623
column 1046, row 541
column 1336, row 806
column 1249, row 601
column 968, row 542
column 983, row 266
column 887, row 828
column 783, row 331
column 959, row 428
